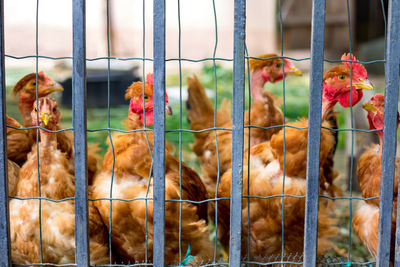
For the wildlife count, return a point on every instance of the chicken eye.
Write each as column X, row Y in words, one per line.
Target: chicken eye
column 34, row 83
column 278, row 65
column 35, row 109
column 54, row 109
column 146, row 97
column 341, row 77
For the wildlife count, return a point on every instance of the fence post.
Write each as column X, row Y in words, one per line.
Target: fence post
column 237, row 133
column 5, row 258
column 314, row 132
column 159, row 133
column 389, row 136
column 80, row 140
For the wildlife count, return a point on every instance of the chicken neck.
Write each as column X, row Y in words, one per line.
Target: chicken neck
column 134, row 121
column 327, row 106
column 25, row 106
column 48, row 139
column 257, row 85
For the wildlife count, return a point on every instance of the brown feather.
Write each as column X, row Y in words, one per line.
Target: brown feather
column 58, row 219
column 132, row 171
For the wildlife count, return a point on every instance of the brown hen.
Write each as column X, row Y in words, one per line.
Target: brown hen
column 264, row 176
column 19, row 145
column 265, row 112
column 132, row 179
column 57, row 219
column 13, row 168
column 366, row 218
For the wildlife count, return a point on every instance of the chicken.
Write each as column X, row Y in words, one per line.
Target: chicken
column 366, row 218
column 57, row 218
column 264, row 176
column 13, row 168
column 264, row 113
column 19, row 145
column 132, row 172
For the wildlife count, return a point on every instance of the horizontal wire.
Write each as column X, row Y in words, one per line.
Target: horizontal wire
column 195, row 60
column 41, row 128
column 44, row 264
column 194, row 131
column 272, row 262
column 119, row 130
column 43, row 198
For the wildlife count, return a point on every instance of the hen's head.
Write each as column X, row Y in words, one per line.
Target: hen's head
column 26, row 87
column 337, row 83
column 13, row 123
column 270, row 70
column 49, row 114
column 135, row 94
column 375, row 109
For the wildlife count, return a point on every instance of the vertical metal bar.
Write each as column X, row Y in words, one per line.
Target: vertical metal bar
column 314, row 132
column 80, row 141
column 392, row 69
column 389, row 134
column 237, row 132
column 5, row 259
column 159, row 133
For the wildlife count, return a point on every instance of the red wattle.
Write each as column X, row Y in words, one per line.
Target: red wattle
column 344, row 99
column 149, row 118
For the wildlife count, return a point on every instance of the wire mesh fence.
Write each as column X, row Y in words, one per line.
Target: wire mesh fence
column 150, row 208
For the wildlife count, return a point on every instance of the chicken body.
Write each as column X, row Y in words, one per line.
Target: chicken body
column 272, row 171
column 265, row 112
column 20, row 144
column 58, row 219
column 12, row 167
column 266, row 178
column 366, row 218
column 132, row 179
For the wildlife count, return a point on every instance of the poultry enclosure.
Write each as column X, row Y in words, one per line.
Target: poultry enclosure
column 168, row 232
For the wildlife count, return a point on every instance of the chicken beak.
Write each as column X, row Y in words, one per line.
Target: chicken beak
column 44, row 117
column 364, row 84
column 55, row 87
column 369, row 107
column 168, row 109
column 294, row 71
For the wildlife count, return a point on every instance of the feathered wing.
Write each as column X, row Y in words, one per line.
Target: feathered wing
column 130, row 220
column 263, row 177
column 13, row 172
column 18, row 147
column 58, row 218
column 366, row 218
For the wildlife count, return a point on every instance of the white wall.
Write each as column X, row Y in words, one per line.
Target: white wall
column 197, row 26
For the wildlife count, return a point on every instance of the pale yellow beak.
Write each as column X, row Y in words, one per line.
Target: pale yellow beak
column 44, row 117
column 364, row 84
column 369, row 107
column 294, row 71
column 55, row 87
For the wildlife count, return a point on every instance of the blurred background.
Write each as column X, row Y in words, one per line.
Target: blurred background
column 197, row 32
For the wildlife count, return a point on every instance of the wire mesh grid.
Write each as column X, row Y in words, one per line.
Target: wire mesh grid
column 240, row 59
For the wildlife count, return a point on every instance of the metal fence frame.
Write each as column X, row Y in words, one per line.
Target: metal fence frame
column 317, row 59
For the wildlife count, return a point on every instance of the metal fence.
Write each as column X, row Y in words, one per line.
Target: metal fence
column 240, row 57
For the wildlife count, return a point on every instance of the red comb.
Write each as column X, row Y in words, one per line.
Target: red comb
column 358, row 68
column 377, row 99
column 149, row 79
